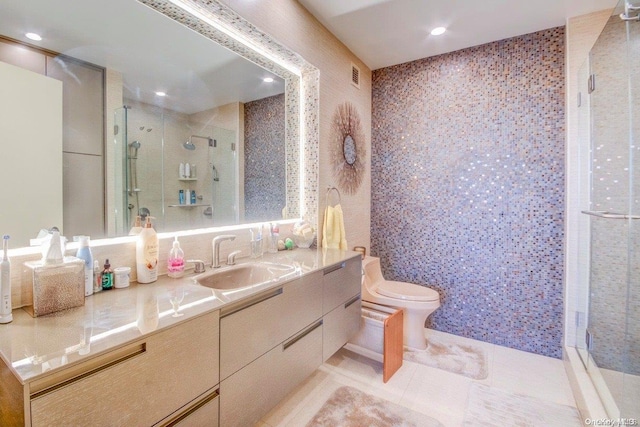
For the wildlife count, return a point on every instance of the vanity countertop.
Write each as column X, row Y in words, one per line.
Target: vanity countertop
column 34, row 347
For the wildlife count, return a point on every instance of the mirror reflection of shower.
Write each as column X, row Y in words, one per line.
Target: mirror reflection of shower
column 212, row 143
column 132, row 173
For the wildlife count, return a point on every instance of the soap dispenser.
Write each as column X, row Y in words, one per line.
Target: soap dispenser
column 147, row 254
column 137, row 227
column 175, row 262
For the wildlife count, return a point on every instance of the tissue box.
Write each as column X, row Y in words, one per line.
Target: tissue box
column 53, row 287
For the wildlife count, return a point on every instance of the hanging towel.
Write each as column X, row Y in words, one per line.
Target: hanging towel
column 333, row 235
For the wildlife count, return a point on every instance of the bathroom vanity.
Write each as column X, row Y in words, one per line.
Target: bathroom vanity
column 231, row 355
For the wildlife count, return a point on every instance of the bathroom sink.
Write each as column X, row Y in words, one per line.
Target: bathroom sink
column 244, row 275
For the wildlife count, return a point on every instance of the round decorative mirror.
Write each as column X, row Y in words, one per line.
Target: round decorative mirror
column 349, row 150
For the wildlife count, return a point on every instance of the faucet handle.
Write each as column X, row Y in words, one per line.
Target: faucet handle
column 198, row 265
column 231, row 259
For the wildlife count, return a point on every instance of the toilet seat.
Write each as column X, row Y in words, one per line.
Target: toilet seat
column 407, row 291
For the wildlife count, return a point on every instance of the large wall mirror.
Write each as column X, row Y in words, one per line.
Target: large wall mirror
column 152, row 119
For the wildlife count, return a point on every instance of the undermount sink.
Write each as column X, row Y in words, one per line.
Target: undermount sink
column 244, row 275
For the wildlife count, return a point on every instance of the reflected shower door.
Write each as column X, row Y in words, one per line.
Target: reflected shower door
column 119, row 210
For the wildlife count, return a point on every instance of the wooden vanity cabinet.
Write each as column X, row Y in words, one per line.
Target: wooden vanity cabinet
column 341, row 304
column 256, row 325
column 170, row 375
column 281, row 336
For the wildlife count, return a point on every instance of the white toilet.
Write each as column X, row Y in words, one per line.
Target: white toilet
column 418, row 302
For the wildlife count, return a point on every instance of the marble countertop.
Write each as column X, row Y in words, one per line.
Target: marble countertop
column 34, row 347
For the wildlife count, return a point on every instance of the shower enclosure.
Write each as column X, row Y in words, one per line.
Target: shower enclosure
column 150, row 145
column 608, row 323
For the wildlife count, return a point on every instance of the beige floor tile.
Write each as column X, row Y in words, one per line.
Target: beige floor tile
column 439, row 394
column 531, row 375
column 434, row 392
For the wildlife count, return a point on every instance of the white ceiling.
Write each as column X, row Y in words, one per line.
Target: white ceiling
column 388, row 32
column 152, row 52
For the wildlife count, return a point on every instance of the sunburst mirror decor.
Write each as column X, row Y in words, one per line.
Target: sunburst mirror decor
column 348, row 150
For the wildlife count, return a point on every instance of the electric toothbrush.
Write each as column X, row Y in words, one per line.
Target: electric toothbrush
column 5, row 284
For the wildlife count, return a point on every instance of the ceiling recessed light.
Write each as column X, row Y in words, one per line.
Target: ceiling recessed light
column 33, row 36
column 161, row 94
column 438, row 31
column 268, row 80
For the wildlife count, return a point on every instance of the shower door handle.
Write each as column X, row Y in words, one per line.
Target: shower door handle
column 611, row 215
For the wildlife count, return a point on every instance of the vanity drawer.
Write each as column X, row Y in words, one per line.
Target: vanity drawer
column 138, row 384
column 202, row 412
column 341, row 282
column 340, row 325
column 254, row 326
column 251, row 392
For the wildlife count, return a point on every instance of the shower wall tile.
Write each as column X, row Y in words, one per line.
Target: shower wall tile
column 468, row 186
column 264, row 159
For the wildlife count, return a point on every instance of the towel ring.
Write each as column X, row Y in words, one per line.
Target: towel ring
column 329, row 190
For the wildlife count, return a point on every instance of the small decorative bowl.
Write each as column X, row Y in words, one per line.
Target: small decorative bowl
column 303, row 234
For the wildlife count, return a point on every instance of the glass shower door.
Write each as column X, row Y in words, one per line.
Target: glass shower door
column 612, row 326
column 630, row 399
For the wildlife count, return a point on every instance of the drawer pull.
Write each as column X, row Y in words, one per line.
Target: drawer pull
column 331, row 269
column 190, row 410
column 352, row 301
column 302, row 334
column 45, row 386
column 250, row 303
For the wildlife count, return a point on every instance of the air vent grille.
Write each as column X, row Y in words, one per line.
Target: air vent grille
column 355, row 75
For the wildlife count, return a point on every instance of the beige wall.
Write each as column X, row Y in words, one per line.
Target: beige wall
column 293, row 26
column 31, row 172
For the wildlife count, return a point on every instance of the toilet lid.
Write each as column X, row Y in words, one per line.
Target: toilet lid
column 407, row 291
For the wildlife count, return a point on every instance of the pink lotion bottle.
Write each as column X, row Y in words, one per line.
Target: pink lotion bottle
column 175, row 263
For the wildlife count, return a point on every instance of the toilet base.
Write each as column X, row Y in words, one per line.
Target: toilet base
column 414, row 329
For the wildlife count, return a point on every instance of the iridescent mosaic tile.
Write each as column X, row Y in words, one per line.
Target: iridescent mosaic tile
column 468, row 186
column 264, row 159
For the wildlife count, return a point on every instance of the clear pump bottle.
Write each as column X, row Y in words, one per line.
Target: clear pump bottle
column 175, row 262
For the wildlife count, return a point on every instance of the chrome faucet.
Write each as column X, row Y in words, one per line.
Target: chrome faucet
column 216, row 248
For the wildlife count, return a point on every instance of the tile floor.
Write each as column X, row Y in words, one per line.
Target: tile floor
column 440, row 394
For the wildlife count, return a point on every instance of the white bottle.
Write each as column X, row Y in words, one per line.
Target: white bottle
column 187, row 170
column 84, row 253
column 5, row 284
column 147, row 254
column 137, row 227
column 181, row 171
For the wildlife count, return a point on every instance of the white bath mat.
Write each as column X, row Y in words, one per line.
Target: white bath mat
column 462, row 359
column 350, row 407
column 490, row 407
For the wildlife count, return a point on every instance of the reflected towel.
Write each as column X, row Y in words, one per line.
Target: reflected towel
column 333, row 234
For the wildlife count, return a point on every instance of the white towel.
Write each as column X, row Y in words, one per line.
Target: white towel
column 333, row 234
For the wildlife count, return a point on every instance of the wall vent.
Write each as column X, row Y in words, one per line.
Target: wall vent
column 355, row 75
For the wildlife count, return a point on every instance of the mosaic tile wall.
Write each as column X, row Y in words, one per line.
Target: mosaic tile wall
column 468, row 186
column 264, row 158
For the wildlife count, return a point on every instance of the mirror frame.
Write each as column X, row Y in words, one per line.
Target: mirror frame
column 219, row 23
column 222, row 25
